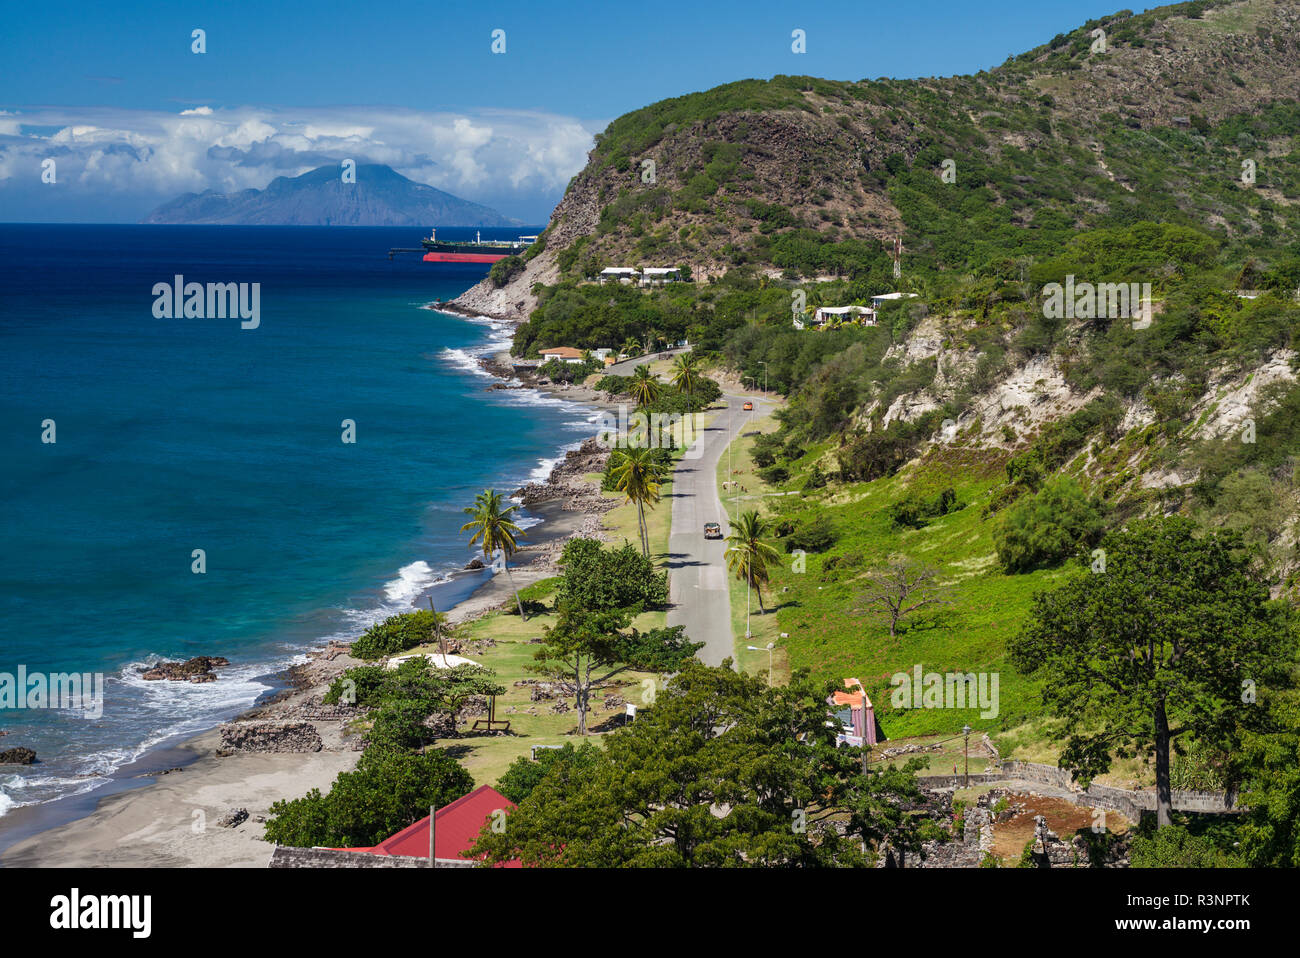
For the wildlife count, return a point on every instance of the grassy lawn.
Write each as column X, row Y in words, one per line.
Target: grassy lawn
column 816, row 607
column 488, row 756
column 828, row 636
column 531, row 723
column 764, row 628
column 950, row 753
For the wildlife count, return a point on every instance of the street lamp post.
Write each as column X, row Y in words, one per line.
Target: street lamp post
column 965, row 731
column 770, row 646
column 748, row 606
column 730, row 437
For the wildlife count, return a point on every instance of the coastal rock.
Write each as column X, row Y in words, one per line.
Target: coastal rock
column 197, row 669
column 17, row 756
column 567, row 482
column 474, row 565
column 233, row 818
column 270, row 737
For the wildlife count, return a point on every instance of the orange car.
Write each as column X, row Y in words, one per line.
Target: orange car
column 748, row 406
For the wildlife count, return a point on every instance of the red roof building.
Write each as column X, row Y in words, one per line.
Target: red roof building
column 456, row 829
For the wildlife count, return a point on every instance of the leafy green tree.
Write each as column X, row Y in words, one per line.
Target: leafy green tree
column 813, row 533
column 600, row 579
column 525, row 773
column 587, row 649
column 1177, row 846
column 1175, row 638
column 416, row 687
column 493, row 527
column 387, row 791
column 750, row 556
column 721, row 771
column 397, row 633
column 1047, row 528
column 1270, row 833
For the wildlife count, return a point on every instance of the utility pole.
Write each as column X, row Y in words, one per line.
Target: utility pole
column 433, row 859
column 965, row 731
column 437, row 632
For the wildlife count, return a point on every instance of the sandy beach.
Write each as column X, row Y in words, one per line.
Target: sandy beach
column 171, row 814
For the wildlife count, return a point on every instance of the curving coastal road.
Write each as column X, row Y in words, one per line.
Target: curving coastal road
column 698, row 578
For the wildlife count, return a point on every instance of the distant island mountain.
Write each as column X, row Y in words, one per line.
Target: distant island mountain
column 380, row 197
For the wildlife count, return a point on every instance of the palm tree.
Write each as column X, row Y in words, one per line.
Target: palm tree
column 637, row 474
column 630, row 348
column 494, row 528
column 749, row 556
column 686, row 377
column 645, row 387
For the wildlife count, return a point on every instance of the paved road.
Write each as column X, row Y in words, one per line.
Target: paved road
column 626, row 366
column 698, row 577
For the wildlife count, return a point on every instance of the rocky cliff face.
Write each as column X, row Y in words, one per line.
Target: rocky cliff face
column 752, row 160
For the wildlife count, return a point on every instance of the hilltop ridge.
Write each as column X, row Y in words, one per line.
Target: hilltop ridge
column 380, row 196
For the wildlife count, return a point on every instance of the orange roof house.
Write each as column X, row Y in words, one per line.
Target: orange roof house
column 862, row 713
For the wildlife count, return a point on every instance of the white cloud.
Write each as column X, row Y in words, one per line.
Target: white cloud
column 489, row 156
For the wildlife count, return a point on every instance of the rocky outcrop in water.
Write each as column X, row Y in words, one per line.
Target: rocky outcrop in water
column 198, row 669
column 17, row 756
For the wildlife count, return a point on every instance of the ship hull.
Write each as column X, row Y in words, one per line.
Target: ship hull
column 464, row 257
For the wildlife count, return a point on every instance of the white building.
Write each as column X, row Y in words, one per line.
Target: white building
column 878, row 301
column 565, row 354
column 864, row 315
column 619, row 274
column 658, row 275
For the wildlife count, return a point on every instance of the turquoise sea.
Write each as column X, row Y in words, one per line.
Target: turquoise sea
column 174, row 435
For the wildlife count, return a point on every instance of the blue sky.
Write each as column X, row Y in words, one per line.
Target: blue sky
column 417, row 85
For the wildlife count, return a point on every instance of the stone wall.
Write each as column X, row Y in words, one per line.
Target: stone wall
column 958, row 781
column 285, row 856
column 1130, row 804
column 269, row 737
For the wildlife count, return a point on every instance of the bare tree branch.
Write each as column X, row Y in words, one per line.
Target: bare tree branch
column 900, row 587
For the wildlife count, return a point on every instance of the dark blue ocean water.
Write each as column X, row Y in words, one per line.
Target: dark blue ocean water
column 183, row 434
